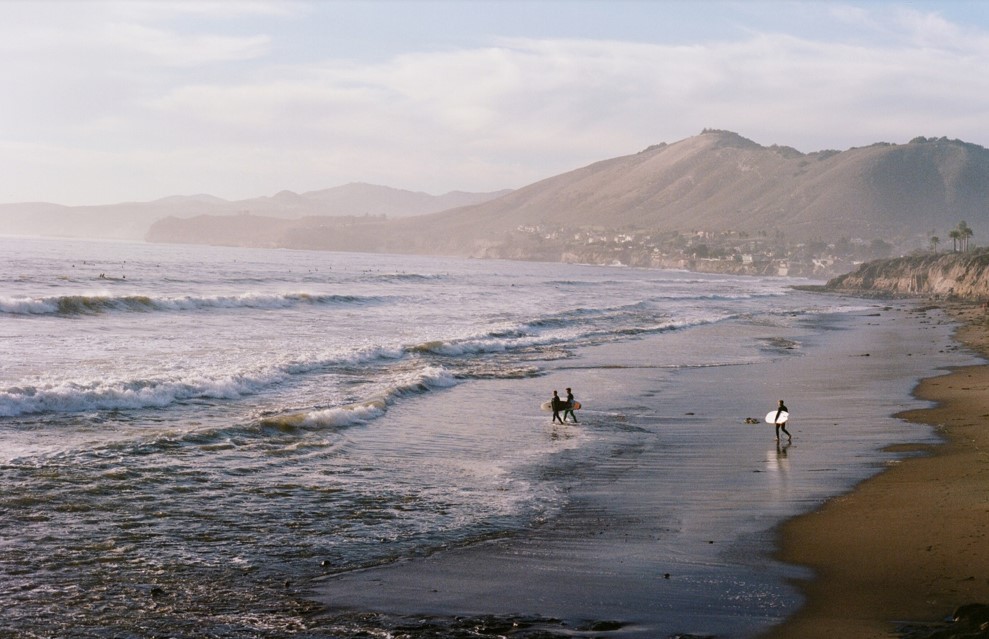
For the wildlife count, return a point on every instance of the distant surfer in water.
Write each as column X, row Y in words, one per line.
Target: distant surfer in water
column 782, row 409
column 569, row 405
column 557, row 405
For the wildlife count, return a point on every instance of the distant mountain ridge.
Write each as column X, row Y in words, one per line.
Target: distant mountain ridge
column 715, row 182
column 132, row 220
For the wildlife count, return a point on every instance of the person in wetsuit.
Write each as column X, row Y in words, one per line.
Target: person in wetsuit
column 782, row 409
column 569, row 407
column 557, row 405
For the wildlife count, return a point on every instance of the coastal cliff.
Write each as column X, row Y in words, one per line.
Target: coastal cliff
column 961, row 275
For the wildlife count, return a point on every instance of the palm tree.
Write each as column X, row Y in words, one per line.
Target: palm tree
column 965, row 232
column 935, row 240
column 955, row 235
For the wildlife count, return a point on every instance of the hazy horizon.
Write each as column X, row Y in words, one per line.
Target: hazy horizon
column 134, row 101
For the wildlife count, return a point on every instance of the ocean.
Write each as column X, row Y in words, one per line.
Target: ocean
column 196, row 441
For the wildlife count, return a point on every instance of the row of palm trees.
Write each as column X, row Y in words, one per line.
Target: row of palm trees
column 959, row 237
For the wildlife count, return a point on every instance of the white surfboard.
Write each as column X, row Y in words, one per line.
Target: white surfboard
column 771, row 417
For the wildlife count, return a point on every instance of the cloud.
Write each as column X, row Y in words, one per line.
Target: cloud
column 161, row 10
column 169, row 48
column 141, row 88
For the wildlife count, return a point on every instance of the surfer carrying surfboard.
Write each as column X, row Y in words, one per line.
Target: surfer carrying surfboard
column 557, row 405
column 781, row 423
column 570, row 407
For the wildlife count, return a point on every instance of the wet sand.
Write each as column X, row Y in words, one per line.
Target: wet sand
column 902, row 551
column 616, row 562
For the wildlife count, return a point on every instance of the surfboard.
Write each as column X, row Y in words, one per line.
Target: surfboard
column 548, row 406
column 771, row 417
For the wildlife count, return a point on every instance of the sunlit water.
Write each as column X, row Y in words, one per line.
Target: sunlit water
column 189, row 436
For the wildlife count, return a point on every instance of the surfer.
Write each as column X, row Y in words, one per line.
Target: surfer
column 557, row 405
column 569, row 407
column 782, row 409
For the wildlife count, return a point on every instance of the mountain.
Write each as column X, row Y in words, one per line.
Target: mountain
column 368, row 199
column 714, row 183
column 720, row 181
column 132, row 220
column 358, row 199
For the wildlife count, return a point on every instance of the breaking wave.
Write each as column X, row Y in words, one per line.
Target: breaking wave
column 92, row 304
column 73, row 396
column 412, row 382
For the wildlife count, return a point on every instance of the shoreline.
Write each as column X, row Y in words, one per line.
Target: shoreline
column 904, row 549
column 624, row 554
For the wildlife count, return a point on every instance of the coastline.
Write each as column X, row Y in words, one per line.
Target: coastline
column 623, row 557
column 906, row 548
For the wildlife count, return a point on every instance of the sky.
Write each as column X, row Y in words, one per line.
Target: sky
column 105, row 102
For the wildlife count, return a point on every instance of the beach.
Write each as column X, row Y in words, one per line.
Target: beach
column 612, row 564
column 906, row 548
column 268, row 444
column 239, row 442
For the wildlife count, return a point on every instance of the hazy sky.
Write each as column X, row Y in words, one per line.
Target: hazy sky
column 104, row 102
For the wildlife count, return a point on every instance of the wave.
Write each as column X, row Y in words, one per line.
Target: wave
column 340, row 416
column 93, row 304
column 470, row 356
column 572, row 328
column 414, row 382
column 262, row 430
column 458, row 348
column 72, row 396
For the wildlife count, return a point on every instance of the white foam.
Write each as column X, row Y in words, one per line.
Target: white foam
column 345, row 415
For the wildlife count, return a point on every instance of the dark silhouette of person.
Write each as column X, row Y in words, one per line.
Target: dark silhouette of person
column 569, row 407
column 557, row 405
column 782, row 409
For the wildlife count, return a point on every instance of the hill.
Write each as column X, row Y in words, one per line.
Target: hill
column 744, row 200
column 132, row 220
column 720, row 181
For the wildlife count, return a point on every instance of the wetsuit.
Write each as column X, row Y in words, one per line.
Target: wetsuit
column 569, row 410
column 557, row 405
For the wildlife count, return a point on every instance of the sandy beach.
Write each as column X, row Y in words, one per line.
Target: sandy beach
column 906, row 548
